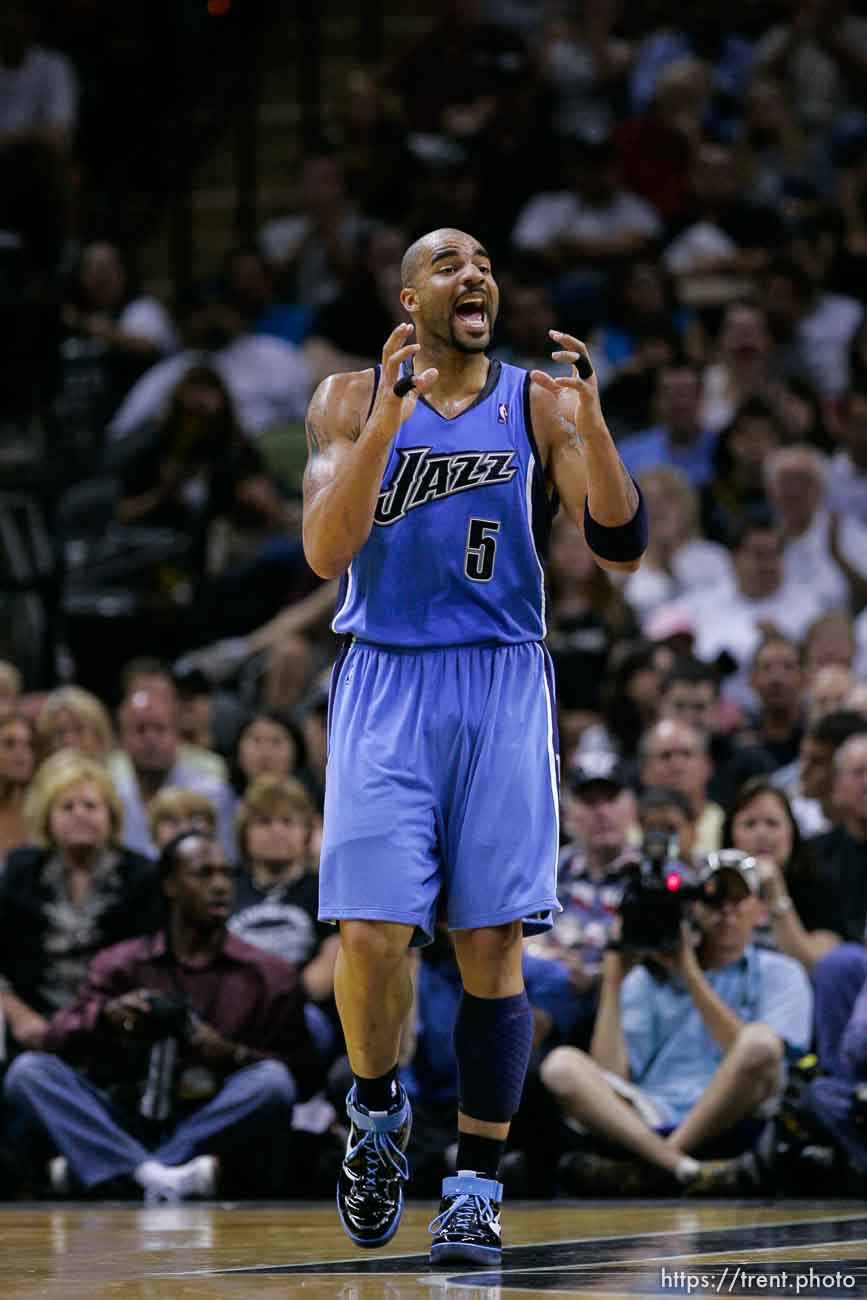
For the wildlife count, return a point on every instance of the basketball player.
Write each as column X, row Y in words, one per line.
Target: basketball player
column 434, row 508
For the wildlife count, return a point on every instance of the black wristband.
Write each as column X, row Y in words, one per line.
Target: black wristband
column 403, row 386
column 623, row 542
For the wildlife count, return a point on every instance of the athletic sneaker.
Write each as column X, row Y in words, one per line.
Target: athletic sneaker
column 467, row 1228
column 374, row 1170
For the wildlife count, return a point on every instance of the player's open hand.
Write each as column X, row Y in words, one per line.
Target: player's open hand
column 389, row 409
column 586, row 413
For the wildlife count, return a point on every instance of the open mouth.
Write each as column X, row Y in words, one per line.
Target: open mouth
column 472, row 311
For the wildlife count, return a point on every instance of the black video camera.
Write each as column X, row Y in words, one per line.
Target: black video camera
column 169, row 1017
column 654, row 901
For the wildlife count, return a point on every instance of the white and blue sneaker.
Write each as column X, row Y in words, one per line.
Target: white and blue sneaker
column 467, row 1228
column 374, row 1170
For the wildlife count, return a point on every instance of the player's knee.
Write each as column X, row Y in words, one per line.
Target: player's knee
column 373, row 947
column 492, row 947
column 561, row 1070
column 757, row 1049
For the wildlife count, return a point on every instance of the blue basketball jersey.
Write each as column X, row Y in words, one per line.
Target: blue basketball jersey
column 460, row 534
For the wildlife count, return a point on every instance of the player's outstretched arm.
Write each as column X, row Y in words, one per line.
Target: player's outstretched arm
column 348, row 452
column 583, row 462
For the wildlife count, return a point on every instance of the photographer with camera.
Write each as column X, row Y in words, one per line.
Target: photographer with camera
column 207, row 1033
column 689, row 1040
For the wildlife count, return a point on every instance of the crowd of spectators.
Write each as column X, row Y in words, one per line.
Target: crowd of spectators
column 686, row 187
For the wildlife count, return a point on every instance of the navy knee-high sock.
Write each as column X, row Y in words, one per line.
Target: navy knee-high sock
column 493, row 1038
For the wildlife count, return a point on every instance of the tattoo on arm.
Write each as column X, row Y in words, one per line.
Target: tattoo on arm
column 317, row 437
column 573, row 438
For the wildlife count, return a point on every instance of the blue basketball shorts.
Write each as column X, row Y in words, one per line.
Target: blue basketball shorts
column 441, row 788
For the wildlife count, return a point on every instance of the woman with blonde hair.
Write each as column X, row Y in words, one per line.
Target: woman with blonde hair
column 173, row 811
column 72, row 718
column 678, row 559
column 74, row 891
column 277, row 897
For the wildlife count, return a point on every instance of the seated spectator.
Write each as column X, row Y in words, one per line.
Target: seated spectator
column 690, row 693
column 527, row 316
column 846, row 478
column 760, row 823
column 824, row 553
column 594, row 223
column 588, row 615
column 771, row 739
column 591, row 876
column 17, row 765
column 810, row 782
column 820, row 51
column 582, row 64
column 72, row 718
column 371, row 142
column 644, row 329
column 145, row 673
column 267, row 744
column 812, row 329
column 830, row 640
column 237, row 554
column 70, row 895
column 734, row 617
column 149, row 737
column 312, row 251
column 348, row 333
column 701, row 31
column 687, row 1048
column 736, row 489
column 38, row 115
column 677, row 559
column 199, row 466
column 678, row 438
column 782, row 167
column 834, row 897
column 828, row 691
column 269, row 380
column 839, row 981
column 110, row 337
column 742, row 371
column 674, row 756
column 277, row 898
column 230, row 1016
column 249, row 285
column 630, row 700
column 173, row 811
column 719, row 240
column 666, row 812
column 658, row 147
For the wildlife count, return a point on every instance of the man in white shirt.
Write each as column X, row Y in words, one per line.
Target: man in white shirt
column 828, row 557
column 733, row 616
column 594, row 222
column 269, row 380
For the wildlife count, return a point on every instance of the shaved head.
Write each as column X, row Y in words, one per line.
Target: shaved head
column 425, row 247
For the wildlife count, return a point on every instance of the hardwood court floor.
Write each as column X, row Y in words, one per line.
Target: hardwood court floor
column 225, row 1252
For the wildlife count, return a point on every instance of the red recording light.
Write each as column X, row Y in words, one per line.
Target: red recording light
column 216, row 8
column 673, row 881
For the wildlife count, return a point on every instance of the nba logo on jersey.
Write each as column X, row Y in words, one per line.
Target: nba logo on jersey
column 503, row 413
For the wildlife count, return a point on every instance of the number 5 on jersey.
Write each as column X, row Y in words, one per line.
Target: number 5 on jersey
column 481, row 551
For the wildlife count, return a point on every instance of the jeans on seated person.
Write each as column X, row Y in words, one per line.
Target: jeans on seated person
column 840, row 1013
column 46, row 1097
